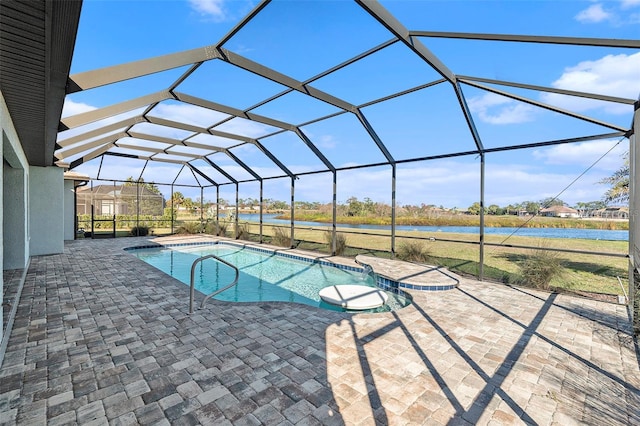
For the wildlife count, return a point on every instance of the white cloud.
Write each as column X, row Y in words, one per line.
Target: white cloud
column 508, row 185
column 613, row 75
column 248, row 128
column 186, row 113
column 495, row 109
column 584, row 154
column 627, row 4
column 617, row 14
column 72, row 108
column 594, row 14
column 211, row 8
column 326, row 141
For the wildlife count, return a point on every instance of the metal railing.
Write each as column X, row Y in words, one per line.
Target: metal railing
column 192, row 286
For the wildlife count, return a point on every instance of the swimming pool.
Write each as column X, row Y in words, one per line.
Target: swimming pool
column 264, row 275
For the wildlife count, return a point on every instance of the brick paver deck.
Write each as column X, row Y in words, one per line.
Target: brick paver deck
column 102, row 338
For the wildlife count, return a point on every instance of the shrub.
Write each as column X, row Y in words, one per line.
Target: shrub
column 281, row 238
column 413, row 251
column 189, row 228
column 219, row 229
column 341, row 242
column 243, row 231
column 139, row 231
column 539, row 268
column 122, row 221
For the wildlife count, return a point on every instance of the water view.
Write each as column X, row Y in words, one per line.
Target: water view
column 589, row 234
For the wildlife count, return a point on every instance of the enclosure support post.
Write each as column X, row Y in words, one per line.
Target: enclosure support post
column 172, row 209
column 481, row 260
column 217, row 206
column 334, row 214
column 633, row 205
column 236, row 215
column 92, row 228
column 393, row 210
column 634, row 224
column 201, row 210
column 137, row 209
column 261, row 207
column 293, row 193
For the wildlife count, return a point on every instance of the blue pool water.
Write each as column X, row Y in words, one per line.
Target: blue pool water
column 263, row 276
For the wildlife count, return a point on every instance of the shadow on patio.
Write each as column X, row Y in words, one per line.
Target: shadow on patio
column 103, row 337
column 488, row 353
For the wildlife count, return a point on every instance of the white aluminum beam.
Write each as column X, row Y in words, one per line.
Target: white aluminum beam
column 111, row 110
column 376, row 10
column 175, row 124
column 155, row 138
column 284, row 80
column 107, row 140
column 90, row 156
column 214, row 106
column 101, row 131
column 547, row 107
column 164, row 160
column 114, row 74
column 627, row 101
column 574, row 41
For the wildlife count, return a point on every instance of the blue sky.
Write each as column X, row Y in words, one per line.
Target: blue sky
column 304, row 38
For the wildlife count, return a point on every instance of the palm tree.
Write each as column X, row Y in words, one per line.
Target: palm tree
column 619, row 181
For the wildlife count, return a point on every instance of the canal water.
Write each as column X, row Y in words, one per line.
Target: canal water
column 589, row 234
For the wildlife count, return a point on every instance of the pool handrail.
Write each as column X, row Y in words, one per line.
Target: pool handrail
column 192, row 286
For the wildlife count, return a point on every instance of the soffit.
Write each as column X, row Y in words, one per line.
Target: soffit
column 36, row 47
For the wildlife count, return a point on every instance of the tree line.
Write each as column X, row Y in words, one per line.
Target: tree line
column 618, row 192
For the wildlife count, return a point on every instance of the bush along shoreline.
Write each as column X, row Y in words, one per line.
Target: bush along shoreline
column 509, row 221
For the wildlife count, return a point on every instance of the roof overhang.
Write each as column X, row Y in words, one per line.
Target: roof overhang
column 37, row 39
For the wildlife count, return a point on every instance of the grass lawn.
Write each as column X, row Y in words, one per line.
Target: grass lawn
column 581, row 272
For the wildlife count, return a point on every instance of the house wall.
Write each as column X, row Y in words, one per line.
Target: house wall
column 14, row 177
column 16, row 253
column 46, row 213
column 3, row 111
column 14, row 232
column 69, row 217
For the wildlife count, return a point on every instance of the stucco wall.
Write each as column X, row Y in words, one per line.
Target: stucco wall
column 46, row 212
column 14, row 232
column 69, row 218
column 14, row 188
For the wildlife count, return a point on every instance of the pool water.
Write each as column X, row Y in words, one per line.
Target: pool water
column 263, row 276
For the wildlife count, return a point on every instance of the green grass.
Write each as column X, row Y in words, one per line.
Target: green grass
column 580, row 272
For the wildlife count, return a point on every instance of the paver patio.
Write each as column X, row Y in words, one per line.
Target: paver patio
column 103, row 338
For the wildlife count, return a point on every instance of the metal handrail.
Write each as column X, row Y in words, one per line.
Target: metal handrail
column 193, row 269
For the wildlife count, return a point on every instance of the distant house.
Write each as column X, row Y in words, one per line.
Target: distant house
column 559, row 211
column 119, row 199
column 612, row 213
